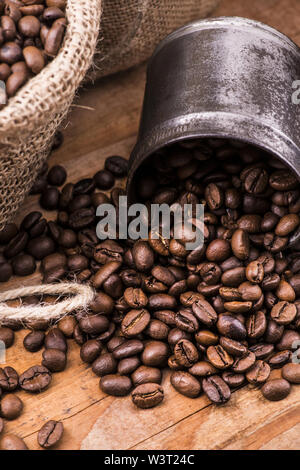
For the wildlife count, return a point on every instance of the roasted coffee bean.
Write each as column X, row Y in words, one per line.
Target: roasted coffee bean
column 104, row 365
column 244, row 363
column 216, row 389
column 90, row 350
column 203, row 369
column 204, row 312
column 54, row 359
column 11, row 407
column 218, row 250
column 41, row 247
column 233, row 277
column 261, row 350
column 16, row 245
column 231, row 327
column 234, row 348
column 186, row 384
column 233, row 380
column 161, row 301
column 280, row 359
column 128, row 348
column 67, row 326
column 276, row 389
column 116, row 165
column 23, row 265
column 283, row 312
column 218, row 357
column 105, row 272
column 214, row 196
column 259, row 373
column 12, row 442
column 147, row 395
column 50, row 434
column 36, row 379
column 128, row 365
column 116, row 385
column 9, row 379
column 240, row 244
column 256, row 325
column 134, row 322
column 290, row 339
column 7, row 336
column 94, row 324
column 56, row 340
column 186, row 321
column 6, row 271
column 185, row 353
column 155, row 354
column 291, row 373
column 34, row 341
column 104, row 179
column 144, row 374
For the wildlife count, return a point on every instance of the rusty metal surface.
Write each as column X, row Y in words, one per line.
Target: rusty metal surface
column 222, row 77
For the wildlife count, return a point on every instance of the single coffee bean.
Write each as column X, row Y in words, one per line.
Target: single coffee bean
column 280, row 359
column 104, row 365
column 276, row 389
column 35, row 380
column 231, row 327
column 204, row 312
column 233, row 380
column 41, row 247
column 291, row 373
column 259, row 373
column 90, row 350
column 144, row 374
column 129, row 348
column 283, row 313
column 50, row 434
column 104, row 179
column 147, row 395
column 216, row 389
column 186, row 384
column 203, row 369
column 34, row 341
column 56, row 340
column 128, row 365
column 116, row 165
column 185, row 353
column 155, row 354
column 67, row 326
column 240, row 244
column 116, row 385
column 218, row 357
column 244, row 363
column 9, row 379
column 12, row 442
column 234, row 348
column 11, row 407
column 134, row 322
column 54, row 359
column 23, row 265
column 7, row 335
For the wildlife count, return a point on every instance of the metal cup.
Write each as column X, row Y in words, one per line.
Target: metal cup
column 221, row 77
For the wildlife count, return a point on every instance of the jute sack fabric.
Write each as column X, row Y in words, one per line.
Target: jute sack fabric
column 130, row 29
column 29, row 121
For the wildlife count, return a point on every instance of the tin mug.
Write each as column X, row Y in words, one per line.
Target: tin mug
column 225, row 77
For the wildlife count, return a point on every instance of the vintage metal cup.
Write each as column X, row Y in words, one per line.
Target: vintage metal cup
column 221, row 77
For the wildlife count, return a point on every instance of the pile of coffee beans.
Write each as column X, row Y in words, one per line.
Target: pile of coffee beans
column 31, row 33
column 220, row 316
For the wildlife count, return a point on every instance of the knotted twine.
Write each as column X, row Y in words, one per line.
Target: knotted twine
column 79, row 296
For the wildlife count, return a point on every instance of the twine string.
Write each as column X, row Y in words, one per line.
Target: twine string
column 79, row 296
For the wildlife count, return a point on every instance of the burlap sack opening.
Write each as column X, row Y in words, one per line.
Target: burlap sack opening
column 131, row 29
column 29, row 121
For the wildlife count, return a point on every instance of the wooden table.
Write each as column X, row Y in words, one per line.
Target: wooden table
column 104, row 121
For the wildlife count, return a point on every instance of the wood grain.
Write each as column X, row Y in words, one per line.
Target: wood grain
column 104, row 121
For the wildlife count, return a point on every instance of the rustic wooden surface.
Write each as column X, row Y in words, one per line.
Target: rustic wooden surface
column 92, row 419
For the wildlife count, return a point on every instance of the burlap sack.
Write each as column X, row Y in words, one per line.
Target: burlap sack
column 130, row 29
column 29, row 121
